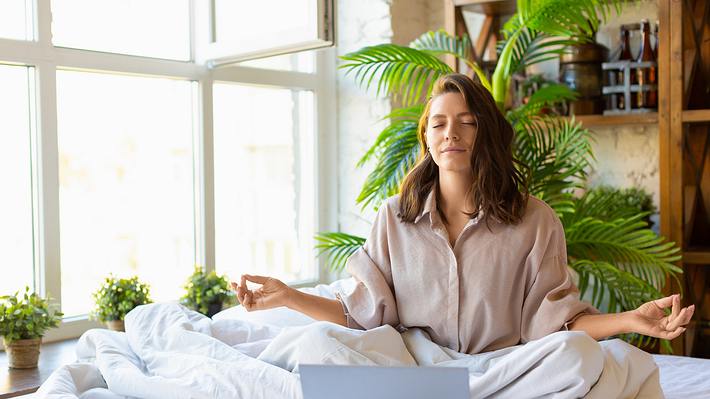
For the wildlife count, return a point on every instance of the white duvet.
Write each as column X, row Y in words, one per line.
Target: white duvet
column 171, row 352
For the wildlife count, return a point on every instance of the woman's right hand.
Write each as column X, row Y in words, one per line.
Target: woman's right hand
column 272, row 293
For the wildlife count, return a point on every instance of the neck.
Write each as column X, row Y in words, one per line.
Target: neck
column 453, row 195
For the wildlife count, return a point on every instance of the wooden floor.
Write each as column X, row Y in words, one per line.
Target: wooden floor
column 15, row 383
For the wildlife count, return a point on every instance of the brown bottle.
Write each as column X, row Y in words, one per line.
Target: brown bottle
column 624, row 55
column 646, row 76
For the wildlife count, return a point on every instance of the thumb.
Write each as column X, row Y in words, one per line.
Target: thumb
column 256, row 279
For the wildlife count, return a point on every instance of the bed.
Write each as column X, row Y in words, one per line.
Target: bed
column 174, row 353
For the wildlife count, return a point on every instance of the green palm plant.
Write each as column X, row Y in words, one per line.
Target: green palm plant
column 619, row 261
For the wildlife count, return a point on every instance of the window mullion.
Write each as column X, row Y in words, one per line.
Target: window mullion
column 48, row 182
column 204, row 170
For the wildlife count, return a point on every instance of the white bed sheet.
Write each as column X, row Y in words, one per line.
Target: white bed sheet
column 680, row 377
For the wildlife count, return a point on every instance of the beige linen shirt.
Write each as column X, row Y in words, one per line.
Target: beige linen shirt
column 495, row 288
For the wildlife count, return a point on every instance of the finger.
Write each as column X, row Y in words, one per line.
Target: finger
column 675, row 323
column 688, row 315
column 673, row 334
column 256, row 279
column 233, row 286
column 675, row 311
column 664, row 302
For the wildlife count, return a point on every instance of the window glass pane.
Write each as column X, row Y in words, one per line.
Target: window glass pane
column 303, row 61
column 151, row 28
column 125, row 183
column 16, row 19
column 264, row 181
column 256, row 25
column 15, row 173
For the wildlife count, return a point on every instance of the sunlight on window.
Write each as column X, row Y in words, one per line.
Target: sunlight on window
column 253, row 25
column 303, row 61
column 16, row 19
column 126, row 183
column 150, row 28
column 264, row 181
column 15, row 174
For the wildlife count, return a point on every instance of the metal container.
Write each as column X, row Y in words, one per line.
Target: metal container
column 581, row 70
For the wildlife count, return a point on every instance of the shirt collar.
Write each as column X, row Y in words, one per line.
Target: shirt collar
column 429, row 204
column 430, row 207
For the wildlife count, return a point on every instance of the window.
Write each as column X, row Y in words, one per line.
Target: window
column 264, row 181
column 245, row 30
column 120, row 154
column 16, row 235
column 16, row 19
column 150, row 28
column 125, row 183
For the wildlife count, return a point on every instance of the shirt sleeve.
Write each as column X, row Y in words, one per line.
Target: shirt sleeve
column 552, row 302
column 372, row 302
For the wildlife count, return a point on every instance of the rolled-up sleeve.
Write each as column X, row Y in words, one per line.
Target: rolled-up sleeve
column 372, row 302
column 552, row 302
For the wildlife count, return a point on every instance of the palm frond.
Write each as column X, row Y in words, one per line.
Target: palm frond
column 338, row 247
column 557, row 150
column 547, row 96
column 611, row 289
column 440, row 42
column 402, row 72
column 626, row 243
column 397, row 152
column 402, row 119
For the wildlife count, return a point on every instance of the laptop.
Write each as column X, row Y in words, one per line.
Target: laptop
column 374, row 382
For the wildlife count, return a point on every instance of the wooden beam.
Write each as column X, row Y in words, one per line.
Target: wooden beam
column 696, row 115
column 450, row 27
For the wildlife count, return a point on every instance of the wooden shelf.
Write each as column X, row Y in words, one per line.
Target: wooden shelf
column 612, row 120
column 488, row 7
column 697, row 256
column 14, row 382
column 696, row 115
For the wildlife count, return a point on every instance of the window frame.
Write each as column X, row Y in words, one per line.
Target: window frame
column 46, row 59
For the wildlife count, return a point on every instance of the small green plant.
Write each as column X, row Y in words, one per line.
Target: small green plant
column 116, row 297
column 26, row 316
column 629, row 200
column 206, row 292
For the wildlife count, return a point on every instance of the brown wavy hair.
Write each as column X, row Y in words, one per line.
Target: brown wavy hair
column 498, row 189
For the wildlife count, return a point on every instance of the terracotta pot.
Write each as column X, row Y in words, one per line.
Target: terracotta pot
column 116, row 325
column 23, row 353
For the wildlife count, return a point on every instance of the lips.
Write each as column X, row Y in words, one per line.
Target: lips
column 453, row 149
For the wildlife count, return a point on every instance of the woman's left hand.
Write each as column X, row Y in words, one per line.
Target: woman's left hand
column 650, row 319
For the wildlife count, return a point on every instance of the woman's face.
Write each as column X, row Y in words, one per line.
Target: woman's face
column 451, row 131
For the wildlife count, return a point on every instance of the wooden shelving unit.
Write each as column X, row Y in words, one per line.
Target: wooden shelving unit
column 683, row 121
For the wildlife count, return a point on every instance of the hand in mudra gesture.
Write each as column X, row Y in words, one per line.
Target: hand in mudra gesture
column 272, row 293
column 650, row 318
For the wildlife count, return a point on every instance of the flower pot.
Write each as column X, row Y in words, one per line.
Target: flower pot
column 116, row 325
column 213, row 309
column 23, row 353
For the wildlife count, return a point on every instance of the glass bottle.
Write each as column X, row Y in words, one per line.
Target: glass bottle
column 646, row 98
column 624, row 55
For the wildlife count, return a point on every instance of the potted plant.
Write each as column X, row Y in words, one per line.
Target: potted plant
column 611, row 248
column 23, row 321
column 206, row 292
column 116, row 297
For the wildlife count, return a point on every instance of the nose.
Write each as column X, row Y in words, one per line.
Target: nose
column 451, row 133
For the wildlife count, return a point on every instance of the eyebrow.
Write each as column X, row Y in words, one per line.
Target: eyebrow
column 459, row 114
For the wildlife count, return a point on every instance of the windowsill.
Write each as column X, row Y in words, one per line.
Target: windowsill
column 15, row 382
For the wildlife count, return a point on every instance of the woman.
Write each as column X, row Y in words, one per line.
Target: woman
column 463, row 252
